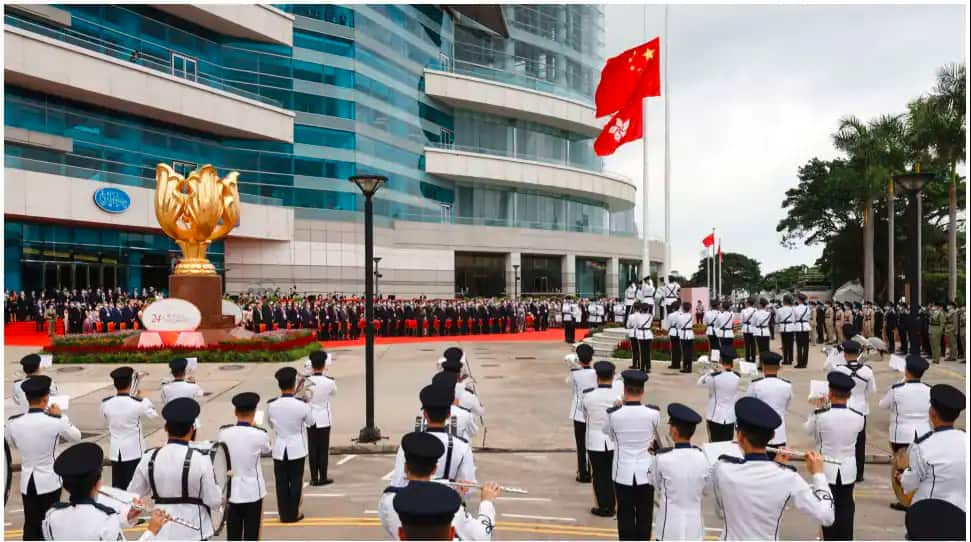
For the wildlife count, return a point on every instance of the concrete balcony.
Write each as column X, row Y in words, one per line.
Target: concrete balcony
column 256, row 22
column 79, row 73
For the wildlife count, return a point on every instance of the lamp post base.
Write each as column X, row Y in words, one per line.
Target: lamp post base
column 369, row 435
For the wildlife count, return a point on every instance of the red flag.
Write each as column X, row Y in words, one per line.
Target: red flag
column 631, row 75
column 708, row 241
column 720, row 257
column 627, row 125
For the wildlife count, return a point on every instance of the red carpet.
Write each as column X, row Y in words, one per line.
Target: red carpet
column 24, row 334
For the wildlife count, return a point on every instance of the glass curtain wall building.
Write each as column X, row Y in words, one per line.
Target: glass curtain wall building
column 486, row 140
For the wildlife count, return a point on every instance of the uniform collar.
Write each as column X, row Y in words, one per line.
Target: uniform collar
column 841, row 405
column 757, row 457
column 176, row 441
column 244, row 424
column 943, row 428
column 605, row 385
column 286, row 395
column 435, row 430
column 682, row 445
column 82, row 500
column 126, row 394
column 34, row 409
column 770, row 376
column 632, row 403
column 913, row 381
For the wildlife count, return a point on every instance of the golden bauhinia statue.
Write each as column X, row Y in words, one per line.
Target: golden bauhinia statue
column 195, row 211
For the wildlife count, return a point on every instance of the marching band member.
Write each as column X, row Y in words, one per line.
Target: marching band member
column 31, row 367
column 600, row 446
column 722, row 390
column 835, row 430
column 581, row 378
column 246, row 444
column 82, row 517
column 465, row 425
column 748, row 335
column 178, row 477
column 123, row 415
column 938, row 469
column 179, row 386
column 751, row 493
column 683, row 475
column 775, row 392
column 422, row 452
column 322, row 391
column 909, row 402
column 426, row 510
column 935, row 519
column 36, row 433
column 865, row 385
column 633, row 428
column 287, row 417
column 467, row 399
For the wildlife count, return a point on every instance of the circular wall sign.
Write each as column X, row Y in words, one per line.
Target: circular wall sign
column 171, row 314
column 112, row 200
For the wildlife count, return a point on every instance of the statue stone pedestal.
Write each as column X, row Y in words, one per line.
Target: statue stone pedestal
column 206, row 293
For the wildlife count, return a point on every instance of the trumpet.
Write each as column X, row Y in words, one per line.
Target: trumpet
column 518, row 490
column 800, row 455
column 135, row 381
column 149, row 509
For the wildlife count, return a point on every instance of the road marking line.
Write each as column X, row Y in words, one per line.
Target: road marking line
column 388, row 476
column 370, row 511
column 527, row 499
column 346, row 459
column 271, row 513
column 18, row 510
column 547, row 518
column 325, row 494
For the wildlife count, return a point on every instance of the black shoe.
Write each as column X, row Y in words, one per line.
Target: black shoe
column 633, row 367
column 326, row 481
column 684, row 371
column 898, row 506
column 583, row 479
column 601, row 512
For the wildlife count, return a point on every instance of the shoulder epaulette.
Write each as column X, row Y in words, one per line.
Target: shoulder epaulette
column 106, row 509
column 221, row 427
column 784, row 380
column 258, row 427
column 15, row 416
column 857, row 411
column 736, row 373
column 663, row 451
column 59, row 505
column 731, row 459
column 574, row 369
column 790, row 467
column 757, row 379
column 328, row 377
column 613, row 409
column 820, row 410
column 110, row 397
column 898, row 385
column 391, row 489
column 462, row 439
column 467, row 409
column 52, row 415
column 271, row 400
column 588, row 390
column 923, row 437
column 655, row 407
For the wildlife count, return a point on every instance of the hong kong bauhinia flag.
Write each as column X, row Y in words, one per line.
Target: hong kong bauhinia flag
column 626, row 125
column 631, row 75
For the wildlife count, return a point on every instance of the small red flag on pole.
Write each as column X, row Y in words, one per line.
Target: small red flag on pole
column 709, row 240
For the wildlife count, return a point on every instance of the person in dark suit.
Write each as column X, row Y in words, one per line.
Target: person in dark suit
column 279, row 317
column 890, row 327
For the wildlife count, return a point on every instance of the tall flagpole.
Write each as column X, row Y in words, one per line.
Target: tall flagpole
column 646, row 260
column 667, row 151
column 721, row 264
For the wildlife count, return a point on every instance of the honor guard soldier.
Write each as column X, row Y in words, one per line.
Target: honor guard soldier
column 31, row 367
column 426, row 511
column 581, row 378
column 82, row 517
column 600, row 446
column 620, row 313
column 909, row 402
column 457, row 462
column 708, row 319
column 835, row 430
column 467, row 399
column 773, row 391
column 246, row 444
column 724, row 324
column 683, row 322
column 644, row 336
column 633, row 321
column 747, row 314
column 178, row 477
column 865, row 385
column 683, row 475
column 179, row 386
column 752, row 492
column 722, row 391
column 568, row 312
column 633, row 428
column 288, row 416
column 647, row 293
column 760, row 326
column 938, row 469
column 935, row 519
column 785, row 319
column 36, row 433
column 422, row 452
column 123, row 414
column 801, row 314
column 630, row 294
column 322, row 390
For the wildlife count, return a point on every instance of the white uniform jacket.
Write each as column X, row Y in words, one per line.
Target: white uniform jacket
column 82, row 520
column 619, row 312
column 246, row 445
column 722, row 392
column 123, row 415
column 468, row 399
column 36, row 434
column 909, row 403
column 287, row 417
column 180, row 388
column 746, row 316
column 937, row 467
column 20, row 398
column 865, row 384
column 456, row 463
column 467, row 526
column 760, row 323
column 566, row 312
column 642, row 331
column 580, row 379
column 752, row 493
column 684, row 321
column 680, row 476
column 633, row 427
column 835, row 430
column 777, row 393
column 323, row 390
column 708, row 319
column 724, row 325
column 784, row 319
column 595, row 403
column 633, row 320
column 630, row 294
column 801, row 314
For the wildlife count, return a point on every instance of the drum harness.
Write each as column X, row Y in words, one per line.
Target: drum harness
column 185, row 498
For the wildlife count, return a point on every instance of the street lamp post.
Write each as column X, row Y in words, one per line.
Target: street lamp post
column 377, row 275
column 369, row 185
column 914, row 184
column 515, row 272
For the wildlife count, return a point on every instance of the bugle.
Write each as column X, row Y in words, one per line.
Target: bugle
column 149, row 509
column 518, row 490
column 800, row 455
column 136, row 379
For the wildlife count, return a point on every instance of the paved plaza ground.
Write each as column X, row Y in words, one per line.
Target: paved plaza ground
column 527, row 442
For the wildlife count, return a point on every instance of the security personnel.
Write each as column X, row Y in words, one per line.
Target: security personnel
column 600, row 446
column 322, row 392
column 422, row 451
column 865, row 385
column 645, row 337
column 36, row 433
column 179, row 386
column 774, row 391
column 630, row 294
column 123, row 414
column 288, row 416
column 784, row 318
column 567, row 315
column 835, row 430
column 246, row 444
column 683, row 475
column 752, row 493
column 801, row 314
column 950, row 321
column 581, row 378
column 936, row 331
column 633, row 428
column 722, row 391
column 179, row 477
column 830, row 321
column 909, row 402
column 633, row 322
column 890, row 327
column 938, row 469
column 760, row 326
column 747, row 314
column 82, row 517
column 457, row 462
column 31, row 367
column 426, row 511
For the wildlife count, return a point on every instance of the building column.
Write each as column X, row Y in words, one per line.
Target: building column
column 513, row 258
column 134, row 270
column 569, row 274
column 613, row 277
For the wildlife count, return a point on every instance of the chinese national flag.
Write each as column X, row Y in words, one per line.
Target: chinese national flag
column 629, row 76
column 708, row 241
column 627, row 125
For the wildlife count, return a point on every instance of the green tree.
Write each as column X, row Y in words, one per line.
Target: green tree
column 739, row 273
column 785, row 279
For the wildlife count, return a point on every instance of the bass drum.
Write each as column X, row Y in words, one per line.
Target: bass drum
column 900, row 463
column 223, row 472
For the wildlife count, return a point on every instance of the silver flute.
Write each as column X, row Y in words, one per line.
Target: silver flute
column 519, row 490
column 800, row 455
column 148, row 509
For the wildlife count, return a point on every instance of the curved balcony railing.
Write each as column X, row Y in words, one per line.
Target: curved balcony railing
column 593, row 164
column 498, row 75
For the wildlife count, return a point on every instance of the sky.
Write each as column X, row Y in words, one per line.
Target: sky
column 757, row 91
